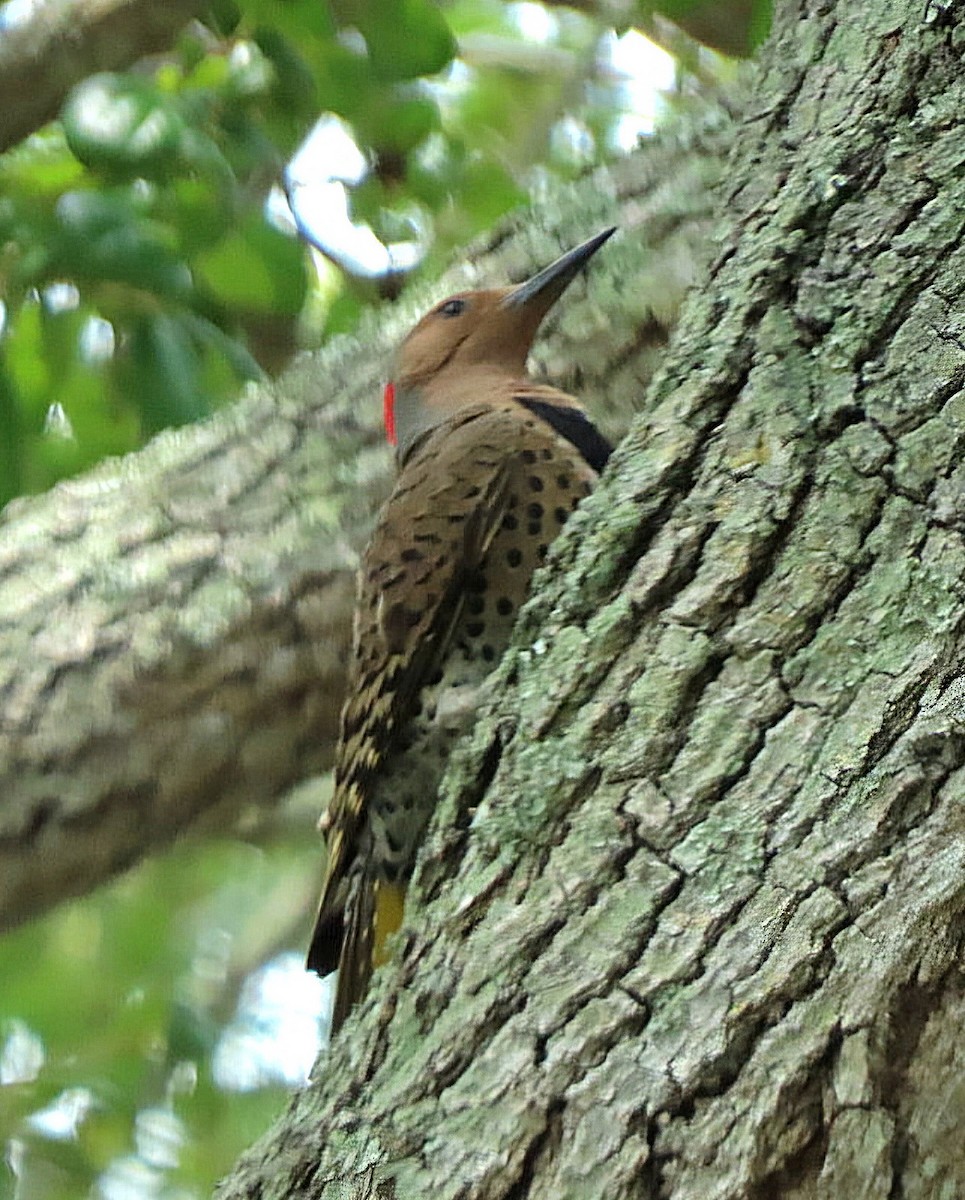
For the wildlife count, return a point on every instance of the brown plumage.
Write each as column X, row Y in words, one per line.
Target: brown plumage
column 490, row 466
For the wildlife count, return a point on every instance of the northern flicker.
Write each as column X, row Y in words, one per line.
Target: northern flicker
column 490, row 466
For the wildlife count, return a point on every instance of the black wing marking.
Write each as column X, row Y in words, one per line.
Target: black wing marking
column 576, row 427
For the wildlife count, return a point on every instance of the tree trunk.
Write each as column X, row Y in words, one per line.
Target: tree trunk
column 690, row 920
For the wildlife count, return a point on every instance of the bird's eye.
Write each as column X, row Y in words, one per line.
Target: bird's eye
column 452, row 308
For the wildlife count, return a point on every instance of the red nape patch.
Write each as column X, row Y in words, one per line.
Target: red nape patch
column 388, row 412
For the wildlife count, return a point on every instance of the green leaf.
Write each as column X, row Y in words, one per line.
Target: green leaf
column 732, row 27
column 762, row 14
column 41, row 166
column 197, row 213
column 488, row 191
column 344, row 80
column 294, row 82
column 402, row 124
column 257, row 268
column 163, row 373
column 10, row 439
column 226, row 350
column 300, row 20
column 102, row 236
column 406, row 39
column 123, row 123
column 223, row 17
column 343, row 314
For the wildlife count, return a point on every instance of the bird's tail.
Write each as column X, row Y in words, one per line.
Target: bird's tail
column 373, row 912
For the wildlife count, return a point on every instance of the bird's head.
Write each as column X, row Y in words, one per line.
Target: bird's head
column 468, row 341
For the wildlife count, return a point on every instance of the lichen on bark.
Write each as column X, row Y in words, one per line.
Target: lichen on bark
column 689, row 920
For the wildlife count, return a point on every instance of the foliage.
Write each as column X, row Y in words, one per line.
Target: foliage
column 142, row 274
column 130, row 1062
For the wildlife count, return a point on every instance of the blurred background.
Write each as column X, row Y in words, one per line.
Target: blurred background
column 187, row 224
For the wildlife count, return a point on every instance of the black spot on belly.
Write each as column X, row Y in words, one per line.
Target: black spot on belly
column 514, row 557
column 504, row 606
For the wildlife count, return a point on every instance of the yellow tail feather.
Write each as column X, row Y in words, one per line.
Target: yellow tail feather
column 389, row 906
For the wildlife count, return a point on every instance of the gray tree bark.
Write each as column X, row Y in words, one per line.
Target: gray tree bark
column 690, row 920
column 63, row 43
column 174, row 624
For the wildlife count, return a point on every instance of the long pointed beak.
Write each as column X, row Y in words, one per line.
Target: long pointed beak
column 549, row 284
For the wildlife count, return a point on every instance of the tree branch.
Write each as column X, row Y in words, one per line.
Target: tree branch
column 175, row 623
column 61, row 44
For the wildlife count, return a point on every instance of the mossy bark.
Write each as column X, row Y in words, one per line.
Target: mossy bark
column 690, row 920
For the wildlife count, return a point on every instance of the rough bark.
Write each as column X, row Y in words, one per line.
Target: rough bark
column 174, row 624
column 61, row 44
column 691, row 917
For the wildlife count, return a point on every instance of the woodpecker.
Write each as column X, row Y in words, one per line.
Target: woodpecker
column 490, row 465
